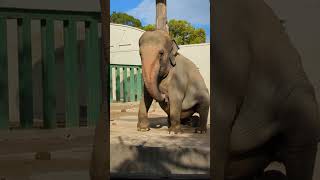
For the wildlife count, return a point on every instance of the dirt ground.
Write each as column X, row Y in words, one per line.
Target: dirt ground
column 156, row 151
column 64, row 154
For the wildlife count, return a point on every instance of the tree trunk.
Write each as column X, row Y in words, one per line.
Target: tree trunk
column 161, row 15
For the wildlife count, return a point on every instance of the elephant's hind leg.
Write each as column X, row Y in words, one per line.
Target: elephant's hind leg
column 299, row 162
column 203, row 110
column 301, row 134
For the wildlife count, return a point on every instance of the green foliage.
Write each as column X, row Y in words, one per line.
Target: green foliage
column 123, row 18
column 184, row 33
column 149, row 27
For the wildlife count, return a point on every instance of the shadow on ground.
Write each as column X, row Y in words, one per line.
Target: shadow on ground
column 159, row 122
column 160, row 161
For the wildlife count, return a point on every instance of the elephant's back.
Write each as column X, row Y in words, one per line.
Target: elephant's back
column 190, row 70
column 184, row 62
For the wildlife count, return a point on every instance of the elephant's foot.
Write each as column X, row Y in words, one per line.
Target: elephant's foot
column 143, row 129
column 201, row 130
column 175, row 129
column 272, row 174
column 143, row 126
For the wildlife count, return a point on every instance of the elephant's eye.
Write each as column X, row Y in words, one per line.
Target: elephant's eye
column 161, row 52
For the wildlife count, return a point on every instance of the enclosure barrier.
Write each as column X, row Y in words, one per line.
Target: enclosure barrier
column 131, row 86
column 125, row 83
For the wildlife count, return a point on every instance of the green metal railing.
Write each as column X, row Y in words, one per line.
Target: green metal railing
column 128, row 89
column 128, row 83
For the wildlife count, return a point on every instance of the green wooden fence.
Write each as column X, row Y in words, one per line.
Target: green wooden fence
column 130, row 84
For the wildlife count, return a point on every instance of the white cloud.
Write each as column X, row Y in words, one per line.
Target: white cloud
column 193, row 11
column 145, row 11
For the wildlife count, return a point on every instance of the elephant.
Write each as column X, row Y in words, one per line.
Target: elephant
column 172, row 80
column 264, row 106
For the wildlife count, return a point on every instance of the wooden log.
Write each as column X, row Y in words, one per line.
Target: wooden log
column 161, row 15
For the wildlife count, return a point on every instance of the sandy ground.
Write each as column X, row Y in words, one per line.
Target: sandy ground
column 38, row 154
column 156, row 151
column 64, row 154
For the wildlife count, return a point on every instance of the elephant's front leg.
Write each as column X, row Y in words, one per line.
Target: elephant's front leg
column 174, row 116
column 145, row 103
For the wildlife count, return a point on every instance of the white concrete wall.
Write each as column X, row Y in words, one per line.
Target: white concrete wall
column 124, row 44
column 199, row 54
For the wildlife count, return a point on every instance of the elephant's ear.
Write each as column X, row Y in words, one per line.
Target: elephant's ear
column 173, row 52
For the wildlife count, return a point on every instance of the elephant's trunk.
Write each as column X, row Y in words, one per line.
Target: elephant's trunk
column 150, row 73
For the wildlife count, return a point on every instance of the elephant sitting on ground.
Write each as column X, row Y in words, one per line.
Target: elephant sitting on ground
column 172, row 80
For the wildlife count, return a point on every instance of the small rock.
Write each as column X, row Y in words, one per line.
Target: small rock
column 68, row 136
column 43, row 156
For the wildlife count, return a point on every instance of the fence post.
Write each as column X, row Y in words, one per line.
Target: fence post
column 92, row 72
column 111, row 88
column 132, row 90
column 4, row 91
column 48, row 72
column 25, row 72
column 125, row 84
column 139, row 83
column 71, row 74
column 117, row 83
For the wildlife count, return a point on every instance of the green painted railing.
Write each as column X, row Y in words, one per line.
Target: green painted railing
column 92, row 59
column 126, row 83
column 126, row 80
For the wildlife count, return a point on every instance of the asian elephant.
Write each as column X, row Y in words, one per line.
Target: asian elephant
column 264, row 106
column 172, row 80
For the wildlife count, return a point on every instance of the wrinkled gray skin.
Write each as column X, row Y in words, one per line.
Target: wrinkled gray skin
column 264, row 106
column 172, row 80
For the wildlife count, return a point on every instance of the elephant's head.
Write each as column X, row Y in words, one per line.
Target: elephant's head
column 157, row 52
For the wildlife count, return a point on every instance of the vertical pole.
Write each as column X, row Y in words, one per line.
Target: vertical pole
column 92, row 72
column 212, row 76
column 139, row 83
column 25, row 73
column 71, row 74
column 118, row 83
column 161, row 15
column 100, row 166
column 132, row 99
column 48, row 69
column 125, row 84
column 4, row 91
column 111, row 88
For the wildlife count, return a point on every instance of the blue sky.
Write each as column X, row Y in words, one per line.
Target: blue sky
column 197, row 12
